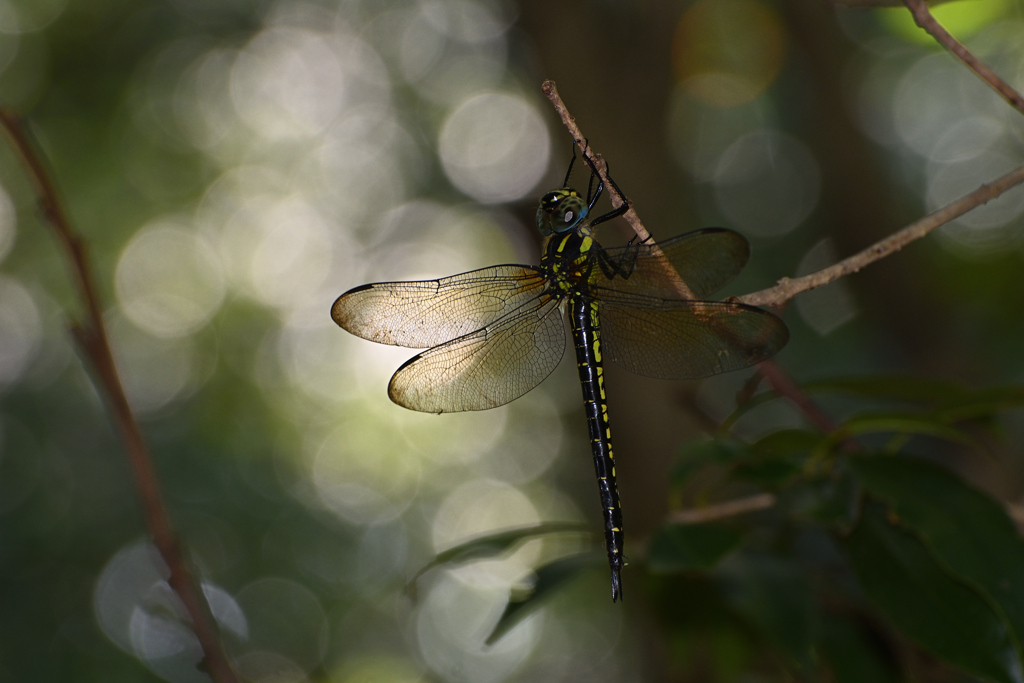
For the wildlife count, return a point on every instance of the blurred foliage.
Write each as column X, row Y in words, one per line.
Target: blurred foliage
column 234, row 166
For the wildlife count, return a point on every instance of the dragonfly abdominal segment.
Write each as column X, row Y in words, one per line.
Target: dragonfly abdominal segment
column 586, row 334
column 493, row 334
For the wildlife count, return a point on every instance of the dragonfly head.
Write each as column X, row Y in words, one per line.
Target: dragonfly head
column 560, row 211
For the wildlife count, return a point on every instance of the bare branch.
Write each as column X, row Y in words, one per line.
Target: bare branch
column 787, row 288
column 91, row 337
column 601, row 167
column 923, row 18
column 732, row 508
column 782, row 383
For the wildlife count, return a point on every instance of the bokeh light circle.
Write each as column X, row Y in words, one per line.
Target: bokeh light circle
column 454, row 622
column 20, row 330
column 168, row 281
column 8, row 223
column 288, row 83
column 286, row 618
column 494, row 147
column 767, row 183
column 727, row 52
column 987, row 227
column 29, row 16
column 478, row 507
column 364, row 470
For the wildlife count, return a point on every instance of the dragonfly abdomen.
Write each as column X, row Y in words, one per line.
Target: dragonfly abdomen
column 586, row 334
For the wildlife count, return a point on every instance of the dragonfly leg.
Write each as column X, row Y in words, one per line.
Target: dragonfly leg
column 565, row 183
column 621, row 267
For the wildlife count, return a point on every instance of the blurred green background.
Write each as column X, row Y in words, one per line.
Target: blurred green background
column 236, row 165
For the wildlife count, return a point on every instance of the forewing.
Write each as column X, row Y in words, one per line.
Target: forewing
column 426, row 313
column 706, row 260
column 485, row 368
column 688, row 339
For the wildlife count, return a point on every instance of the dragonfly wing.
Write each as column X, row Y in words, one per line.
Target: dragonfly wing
column 485, row 368
column 706, row 260
column 675, row 339
column 426, row 313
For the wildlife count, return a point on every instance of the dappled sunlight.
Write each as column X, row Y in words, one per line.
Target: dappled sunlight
column 480, row 507
column 20, row 330
column 767, row 183
column 363, row 470
column 155, row 371
column 169, row 282
column 700, row 133
column 827, row 308
column 728, row 52
column 494, row 147
column 287, row 83
column 452, row 624
column 286, row 618
column 8, row 224
column 138, row 611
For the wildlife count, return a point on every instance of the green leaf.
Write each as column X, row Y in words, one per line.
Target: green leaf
column 892, row 387
column 774, row 596
column 904, row 423
column 984, row 403
column 832, row 501
column 493, row 544
column 912, row 590
column 778, row 456
column 853, row 656
column 968, row 532
column 549, row 578
column 899, row 423
column 697, row 454
column 785, row 444
column 690, row 547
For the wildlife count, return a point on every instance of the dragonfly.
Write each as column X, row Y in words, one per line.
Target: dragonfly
column 493, row 334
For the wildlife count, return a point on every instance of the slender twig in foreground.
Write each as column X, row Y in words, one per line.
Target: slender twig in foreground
column 761, row 501
column 923, row 18
column 601, row 167
column 781, row 382
column 91, row 336
column 787, row 288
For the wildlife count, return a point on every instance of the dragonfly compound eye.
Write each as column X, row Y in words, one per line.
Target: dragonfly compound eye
column 559, row 211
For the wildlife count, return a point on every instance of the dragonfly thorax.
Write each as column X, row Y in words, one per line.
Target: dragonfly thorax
column 560, row 210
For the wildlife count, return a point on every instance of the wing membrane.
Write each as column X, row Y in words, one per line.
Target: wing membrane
column 485, row 368
column 426, row 313
column 706, row 260
column 676, row 339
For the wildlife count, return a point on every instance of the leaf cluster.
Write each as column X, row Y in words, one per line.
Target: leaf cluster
column 876, row 561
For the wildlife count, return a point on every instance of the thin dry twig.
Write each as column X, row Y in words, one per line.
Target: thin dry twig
column 781, row 382
column 631, row 217
column 771, row 371
column 787, row 288
column 923, row 18
column 732, row 508
column 91, row 337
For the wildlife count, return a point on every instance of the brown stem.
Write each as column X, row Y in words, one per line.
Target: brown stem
column 761, row 501
column 787, row 288
column 923, row 18
column 601, row 167
column 91, row 337
column 781, row 382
